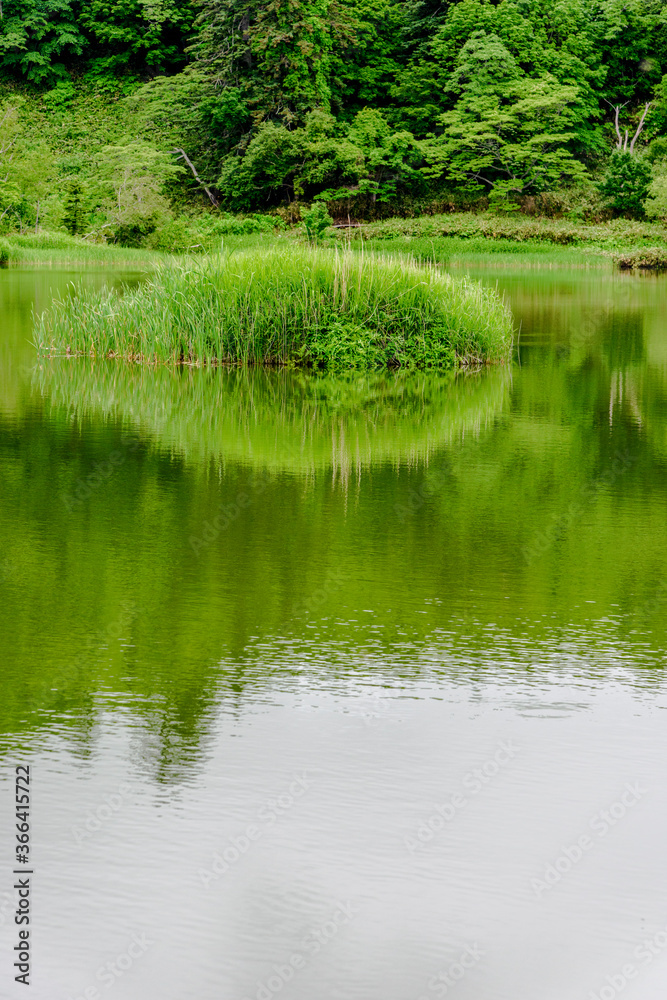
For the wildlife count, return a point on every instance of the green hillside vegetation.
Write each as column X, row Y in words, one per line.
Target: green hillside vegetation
column 165, row 128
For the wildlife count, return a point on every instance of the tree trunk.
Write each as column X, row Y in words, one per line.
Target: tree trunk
column 184, row 156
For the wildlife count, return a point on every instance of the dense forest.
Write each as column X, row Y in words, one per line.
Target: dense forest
column 115, row 112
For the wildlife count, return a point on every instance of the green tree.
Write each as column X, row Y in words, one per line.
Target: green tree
column 632, row 47
column 279, row 55
column 365, row 158
column 507, row 133
column 76, row 206
column 136, row 175
column 544, row 38
column 391, row 157
column 34, row 171
column 187, row 113
column 38, row 38
column 142, row 36
column 289, row 164
column 626, row 182
column 365, row 63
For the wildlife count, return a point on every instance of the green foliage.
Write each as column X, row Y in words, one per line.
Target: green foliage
column 365, row 158
column 59, row 98
column 136, row 175
column 366, row 60
column 207, row 233
column 141, row 36
column 75, row 207
column 43, row 39
column 278, row 54
column 626, row 183
column 38, row 37
column 506, row 131
column 317, row 220
column 370, row 105
column 302, row 307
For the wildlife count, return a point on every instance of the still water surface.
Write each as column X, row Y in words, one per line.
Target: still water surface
column 342, row 689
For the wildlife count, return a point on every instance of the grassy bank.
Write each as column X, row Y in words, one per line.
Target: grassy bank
column 453, row 251
column 518, row 240
column 517, row 228
column 49, row 249
column 293, row 306
column 444, row 240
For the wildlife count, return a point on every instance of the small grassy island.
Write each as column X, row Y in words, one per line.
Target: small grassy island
column 307, row 307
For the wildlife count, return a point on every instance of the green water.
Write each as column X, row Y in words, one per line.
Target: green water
column 213, row 581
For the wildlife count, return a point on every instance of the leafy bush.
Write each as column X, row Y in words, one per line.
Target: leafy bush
column 626, row 182
column 233, row 225
column 317, row 220
column 646, row 259
column 175, row 236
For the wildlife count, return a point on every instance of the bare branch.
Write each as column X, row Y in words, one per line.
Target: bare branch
column 617, row 108
column 184, row 156
column 640, row 126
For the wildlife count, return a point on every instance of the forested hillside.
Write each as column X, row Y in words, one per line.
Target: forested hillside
column 115, row 112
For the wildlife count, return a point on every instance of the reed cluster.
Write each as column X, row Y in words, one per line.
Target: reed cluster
column 295, row 306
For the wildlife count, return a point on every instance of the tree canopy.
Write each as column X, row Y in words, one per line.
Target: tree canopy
column 368, row 101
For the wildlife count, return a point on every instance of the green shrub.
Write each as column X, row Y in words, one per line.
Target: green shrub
column 314, row 308
column 646, row 259
column 235, row 226
column 176, row 236
column 317, row 220
column 626, row 182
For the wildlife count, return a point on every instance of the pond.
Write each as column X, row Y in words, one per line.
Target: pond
column 344, row 688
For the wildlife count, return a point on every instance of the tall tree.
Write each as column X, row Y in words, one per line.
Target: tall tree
column 278, row 54
column 507, row 132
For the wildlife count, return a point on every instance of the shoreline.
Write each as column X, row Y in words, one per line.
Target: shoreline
column 451, row 241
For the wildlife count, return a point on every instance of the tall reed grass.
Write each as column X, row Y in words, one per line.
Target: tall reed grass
column 297, row 306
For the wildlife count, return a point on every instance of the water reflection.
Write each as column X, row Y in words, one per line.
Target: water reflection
column 173, row 538
column 281, row 419
column 211, row 583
